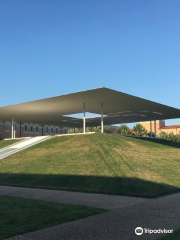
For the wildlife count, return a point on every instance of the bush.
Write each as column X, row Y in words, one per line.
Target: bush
column 107, row 129
column 151, row 134
column 93, row 129
column 163, row 135
column 74, row 130
column 170, row 137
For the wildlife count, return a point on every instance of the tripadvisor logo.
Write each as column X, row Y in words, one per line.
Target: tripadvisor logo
column 138, row 231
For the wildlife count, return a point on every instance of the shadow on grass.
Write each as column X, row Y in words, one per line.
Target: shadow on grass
column 158, row 140
column 101, row 184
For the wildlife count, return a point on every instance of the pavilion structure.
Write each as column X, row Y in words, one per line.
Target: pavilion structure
column 110, row 106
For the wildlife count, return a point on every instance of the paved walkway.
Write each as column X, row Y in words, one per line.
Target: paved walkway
column 19, row 146
column 119, row 223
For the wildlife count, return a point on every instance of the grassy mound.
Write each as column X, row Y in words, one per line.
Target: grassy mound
column 96, row 163
column 5, row 143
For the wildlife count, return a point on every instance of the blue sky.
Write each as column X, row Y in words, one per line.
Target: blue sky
column 53, row 47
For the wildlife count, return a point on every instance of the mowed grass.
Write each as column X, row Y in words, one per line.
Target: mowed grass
column 96, row 163
column 20, row 215
column 5, row 143
column 172, row 236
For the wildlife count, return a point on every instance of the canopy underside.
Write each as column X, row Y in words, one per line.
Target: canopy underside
column 118, row 108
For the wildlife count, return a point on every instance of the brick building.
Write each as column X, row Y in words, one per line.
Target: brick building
column 161, row 127
column 29, row 130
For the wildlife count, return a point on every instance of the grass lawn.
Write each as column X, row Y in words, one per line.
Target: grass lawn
column 96, row 163
column 19, row 215
column 5, row 143
column 174, row 236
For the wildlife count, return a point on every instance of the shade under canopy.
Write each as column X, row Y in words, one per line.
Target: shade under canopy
column 118, row 108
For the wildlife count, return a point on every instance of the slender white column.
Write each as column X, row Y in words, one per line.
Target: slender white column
column 12, row 128
column 155, row 127
column 84, row 118
column 102, row 122
column 151, row 128
column 14, row 136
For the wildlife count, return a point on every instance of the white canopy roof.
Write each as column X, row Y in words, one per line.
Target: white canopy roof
column 118, row 107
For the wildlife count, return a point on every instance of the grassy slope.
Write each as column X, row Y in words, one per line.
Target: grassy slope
column 96, row 163
column 20, row 215
column 174, row 236
column 5, row 143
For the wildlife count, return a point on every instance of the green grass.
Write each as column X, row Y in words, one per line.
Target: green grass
column 5, row 143
column 96, row 163
column 20, row 215
column 172, row 236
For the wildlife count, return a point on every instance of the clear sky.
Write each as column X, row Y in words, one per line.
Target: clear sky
column 53, row 47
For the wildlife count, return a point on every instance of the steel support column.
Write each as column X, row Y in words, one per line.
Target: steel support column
column 155, row 127
column 14, row 135
column 12, row 128
column 42, row 130
column 84, row 118
column 150, row 128
column 102, row 119
column 20, row 129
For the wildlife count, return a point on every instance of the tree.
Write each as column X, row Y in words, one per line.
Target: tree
column 140, row 130
column 109, row 129
column 124, row 130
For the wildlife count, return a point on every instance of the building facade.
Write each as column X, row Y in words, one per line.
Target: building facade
column 29, row 130
column 161, row 127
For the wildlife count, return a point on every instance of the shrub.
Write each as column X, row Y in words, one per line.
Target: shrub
column 170, row 137
column 163, row 135
column 151, row 134
column 93, row 129
column 74, row 130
